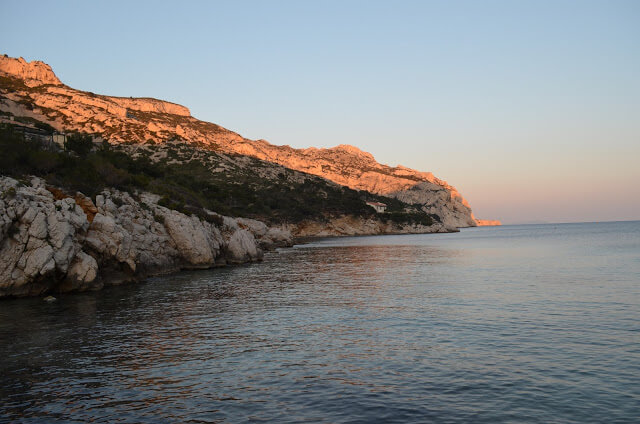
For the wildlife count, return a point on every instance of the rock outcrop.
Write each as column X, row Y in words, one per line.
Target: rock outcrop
column 453, row 210
column 33, row 73
column 488, row 222
column 48, row 244
column 351, row 167
column 357, row 226
column 141, row 120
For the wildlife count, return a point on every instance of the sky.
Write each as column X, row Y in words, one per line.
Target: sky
column 531, row 109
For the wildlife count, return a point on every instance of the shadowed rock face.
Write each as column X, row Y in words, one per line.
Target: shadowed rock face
column 48, row 244
column 140, row 120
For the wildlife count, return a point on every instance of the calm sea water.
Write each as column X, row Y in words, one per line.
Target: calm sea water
column 536, row 323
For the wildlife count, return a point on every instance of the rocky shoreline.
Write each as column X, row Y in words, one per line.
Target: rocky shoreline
column 55, row 242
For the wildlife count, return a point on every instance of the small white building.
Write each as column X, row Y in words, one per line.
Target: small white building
column 379, row 207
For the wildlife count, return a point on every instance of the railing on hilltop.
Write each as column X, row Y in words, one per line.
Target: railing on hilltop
column 46, row 137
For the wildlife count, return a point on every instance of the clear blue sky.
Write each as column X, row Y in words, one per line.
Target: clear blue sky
column 530, row 108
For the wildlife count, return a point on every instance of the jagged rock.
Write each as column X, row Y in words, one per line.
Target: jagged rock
column 39, row 261
column 82, row 274
column 86, row 204
column 278, row 237
column 258, row 229
column 33, row 73
column 354, row 226
column 47, row 243
column 38, row 227
column 188, row 234
column 39, row 237
column 108, row 238
column 242, row 248
column 268, row 237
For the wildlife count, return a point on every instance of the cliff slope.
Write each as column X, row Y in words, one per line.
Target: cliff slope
column 32, row 91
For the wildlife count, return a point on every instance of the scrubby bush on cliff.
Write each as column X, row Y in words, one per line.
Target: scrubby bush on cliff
column 409, row 218
column 81, row 144
column 189, row 186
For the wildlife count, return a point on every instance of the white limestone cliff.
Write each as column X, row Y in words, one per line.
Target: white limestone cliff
column 33, row 73
column 358, row 226
column 128, row 120
column 50, row 242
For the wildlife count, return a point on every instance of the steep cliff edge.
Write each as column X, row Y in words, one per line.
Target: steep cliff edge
column 33, row 73
column 39, row 77
column 31, row 90
column 349, row 166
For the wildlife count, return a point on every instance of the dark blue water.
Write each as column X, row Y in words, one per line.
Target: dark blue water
column 536, row 323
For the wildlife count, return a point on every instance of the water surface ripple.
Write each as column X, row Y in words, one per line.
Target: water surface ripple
column 532, row 324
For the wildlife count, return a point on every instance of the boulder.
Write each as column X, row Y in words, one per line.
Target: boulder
column 82, row 274
column 54, row 243
column 188, row 234
column 242, row 248
column 267, row 237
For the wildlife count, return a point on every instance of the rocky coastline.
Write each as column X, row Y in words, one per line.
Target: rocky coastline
column 52, row 242
column 56, row 242
column 31, row 92
column 347, row 226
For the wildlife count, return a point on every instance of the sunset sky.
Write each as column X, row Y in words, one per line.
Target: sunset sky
column 530, row 108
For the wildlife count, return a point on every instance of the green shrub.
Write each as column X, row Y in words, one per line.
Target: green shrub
column 44, row 161
column 81, row 144
column 158, row 218
column 191, row 187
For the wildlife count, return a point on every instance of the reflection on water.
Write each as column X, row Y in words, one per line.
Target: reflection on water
column 531, row 323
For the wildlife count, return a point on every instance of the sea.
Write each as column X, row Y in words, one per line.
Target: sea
column 511, row 324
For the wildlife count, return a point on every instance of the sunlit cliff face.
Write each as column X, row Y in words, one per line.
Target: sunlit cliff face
column 33, row 73
column 32, row 90
column 487, row 222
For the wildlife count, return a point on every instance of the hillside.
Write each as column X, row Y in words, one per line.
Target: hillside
column 194, row 181
column 32, row 92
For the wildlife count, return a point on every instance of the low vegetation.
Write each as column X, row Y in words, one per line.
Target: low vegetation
column 185, row 181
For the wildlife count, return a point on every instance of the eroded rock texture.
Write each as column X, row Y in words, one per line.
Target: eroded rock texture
column 50, row 242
